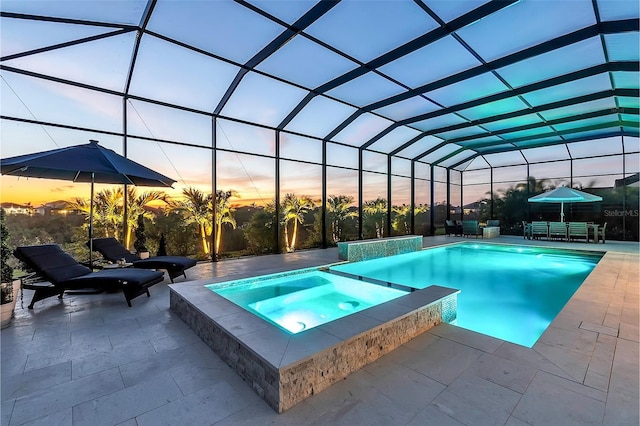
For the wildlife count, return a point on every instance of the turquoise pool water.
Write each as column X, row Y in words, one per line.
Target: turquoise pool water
column 509, row 292
column 299, row 301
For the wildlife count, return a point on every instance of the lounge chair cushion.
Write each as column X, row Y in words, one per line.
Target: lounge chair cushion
column 112, row 250
column 114, row 277
column 163, row 262
column 49, row 260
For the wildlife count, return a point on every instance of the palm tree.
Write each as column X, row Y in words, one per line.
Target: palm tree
column 294, row 209
column 136, row 206
column 83, row 207
column 511, row 204
column 223, row 213
column 374, row 212
column 535, row 186
column 108, row 204
column 196, row 207
column 107, row 210
column 402, row 218
column 338, row 211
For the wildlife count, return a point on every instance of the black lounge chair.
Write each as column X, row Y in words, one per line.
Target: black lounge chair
column 65, row 273
column 451, row 227
column 112, row 251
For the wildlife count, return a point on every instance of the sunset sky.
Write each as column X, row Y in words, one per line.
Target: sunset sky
column 196, row 80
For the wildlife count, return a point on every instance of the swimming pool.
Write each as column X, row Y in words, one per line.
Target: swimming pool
column 509, row 292
column 302, row 300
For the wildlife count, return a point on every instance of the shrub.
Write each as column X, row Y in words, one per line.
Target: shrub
column 6, row 273
column 141, row 239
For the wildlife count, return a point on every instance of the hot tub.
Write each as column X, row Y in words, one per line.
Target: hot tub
column 299, row 302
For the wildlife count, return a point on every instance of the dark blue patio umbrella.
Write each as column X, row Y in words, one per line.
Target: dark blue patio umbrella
column 84, row 163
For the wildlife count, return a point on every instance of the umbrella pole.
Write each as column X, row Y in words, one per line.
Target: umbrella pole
column 91, row 224
column 562, row 211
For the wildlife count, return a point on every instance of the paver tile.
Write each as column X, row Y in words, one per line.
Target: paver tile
column 444, row 361
column 546, row 403
column 503, row 372
column 127, row 403
column 205, row 406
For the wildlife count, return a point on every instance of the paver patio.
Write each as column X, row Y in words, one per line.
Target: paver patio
column 89, row 359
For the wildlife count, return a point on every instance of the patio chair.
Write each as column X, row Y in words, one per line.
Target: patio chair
column 471, row 227
column 65, row 273
column 558, row 230
column 450, row 227
column 526, row 230
column 578, row 230
column 539, row 229
column 112, row 251
column 601, row 233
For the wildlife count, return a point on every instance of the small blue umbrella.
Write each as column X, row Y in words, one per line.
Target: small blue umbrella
column 84, row 163
column 564, row 195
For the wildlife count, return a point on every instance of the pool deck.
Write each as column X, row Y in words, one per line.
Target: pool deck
column 90, row 359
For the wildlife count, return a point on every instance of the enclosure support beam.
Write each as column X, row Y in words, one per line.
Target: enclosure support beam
column 448, row 216
column 214, row 186
column 387, row 226
column 461, row 196
column 323, row 208
column 492, row 198
column 360, row 195
column 277, row 232
column 412, row 204
column 432, row 210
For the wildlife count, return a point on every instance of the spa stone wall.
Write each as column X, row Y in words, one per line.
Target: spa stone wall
column 302, row 380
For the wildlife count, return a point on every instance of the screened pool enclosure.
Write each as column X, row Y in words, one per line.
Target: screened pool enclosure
column 297, row 124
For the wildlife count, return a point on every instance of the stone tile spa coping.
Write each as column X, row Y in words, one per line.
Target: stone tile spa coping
column 276, row 356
